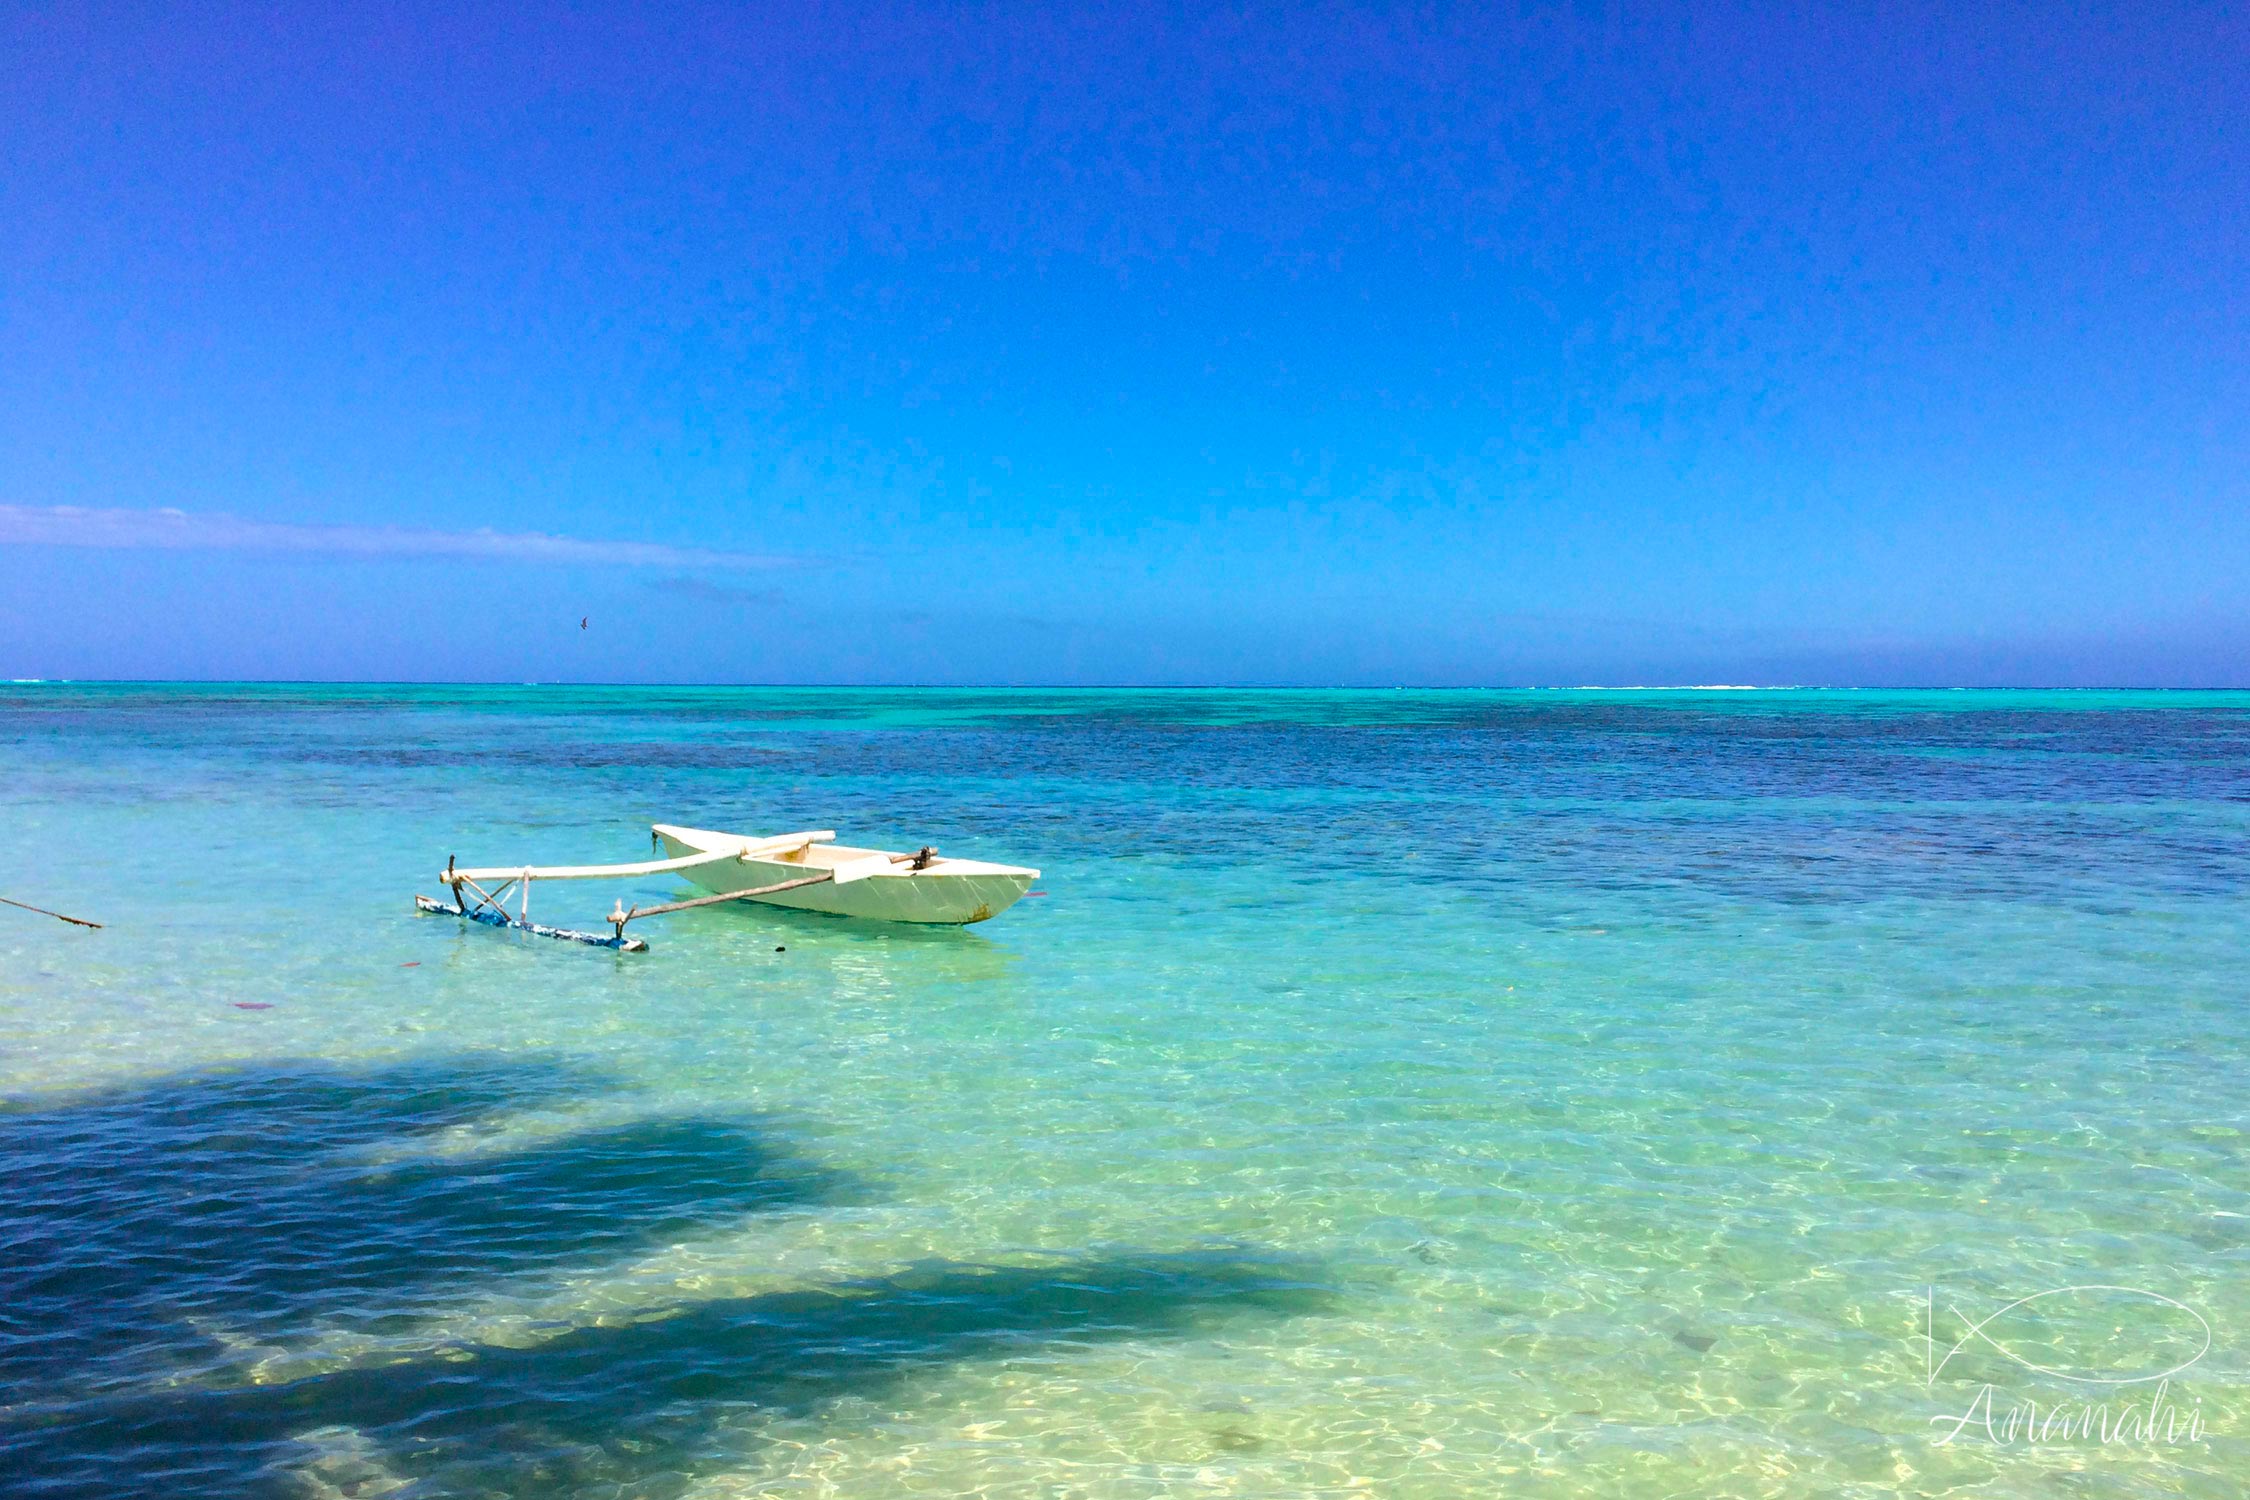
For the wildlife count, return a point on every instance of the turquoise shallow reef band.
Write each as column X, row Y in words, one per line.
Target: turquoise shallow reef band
column 1416, row 1094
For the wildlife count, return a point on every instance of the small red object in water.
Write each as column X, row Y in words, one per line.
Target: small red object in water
column 1029, row 894
column 252, row 1005
column 414, row 965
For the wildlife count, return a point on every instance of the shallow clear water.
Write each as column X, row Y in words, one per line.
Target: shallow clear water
column 1416, row 1094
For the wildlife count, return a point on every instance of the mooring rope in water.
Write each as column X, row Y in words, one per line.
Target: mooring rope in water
column 58, row 916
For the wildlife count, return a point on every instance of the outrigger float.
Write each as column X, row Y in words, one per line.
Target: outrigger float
column 807, row 871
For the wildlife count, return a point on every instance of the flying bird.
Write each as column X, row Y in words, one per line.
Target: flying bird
column 582, row 621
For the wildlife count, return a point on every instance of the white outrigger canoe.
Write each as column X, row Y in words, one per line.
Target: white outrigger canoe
column 808, row 871
column 872, row 883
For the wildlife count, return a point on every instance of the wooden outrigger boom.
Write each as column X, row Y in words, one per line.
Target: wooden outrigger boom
column 489, row 907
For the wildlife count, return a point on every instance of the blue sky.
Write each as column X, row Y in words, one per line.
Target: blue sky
column 956, row 344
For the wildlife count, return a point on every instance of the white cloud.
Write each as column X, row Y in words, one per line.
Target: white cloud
column 77, row 526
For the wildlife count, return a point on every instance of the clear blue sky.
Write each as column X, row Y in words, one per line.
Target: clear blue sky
column 1861, row 343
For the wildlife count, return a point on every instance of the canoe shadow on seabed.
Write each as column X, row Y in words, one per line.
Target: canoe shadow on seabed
column 273, row 1205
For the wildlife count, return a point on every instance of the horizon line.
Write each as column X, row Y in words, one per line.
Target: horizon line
column 1111, row 687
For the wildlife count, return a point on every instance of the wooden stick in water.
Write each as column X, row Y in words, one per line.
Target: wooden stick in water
column 763, row 890
column 58, row 916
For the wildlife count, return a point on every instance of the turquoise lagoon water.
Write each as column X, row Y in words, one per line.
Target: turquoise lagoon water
column 1399, row 1094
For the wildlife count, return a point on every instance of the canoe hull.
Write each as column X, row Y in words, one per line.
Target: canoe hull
column 951, row 892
